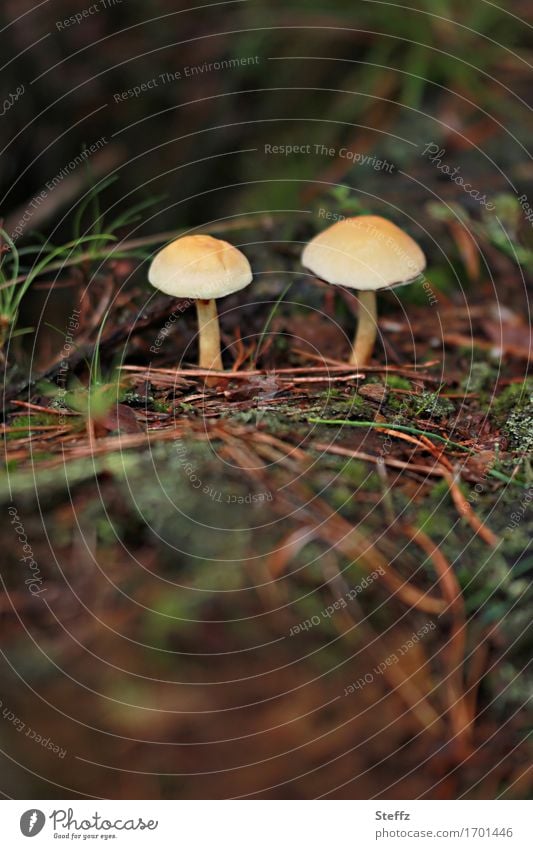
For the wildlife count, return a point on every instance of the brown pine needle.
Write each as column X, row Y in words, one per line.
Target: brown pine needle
column 52, row 411
column 465, row 509
column 460, row 715
column 372, row 458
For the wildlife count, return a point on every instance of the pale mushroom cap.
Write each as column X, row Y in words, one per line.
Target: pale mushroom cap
column 366, row 252
column 199, row 267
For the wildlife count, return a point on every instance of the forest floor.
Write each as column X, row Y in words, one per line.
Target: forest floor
column 302, row 580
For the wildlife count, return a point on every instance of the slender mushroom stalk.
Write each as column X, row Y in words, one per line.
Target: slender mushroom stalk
column 208, row 335
column 202, row 268
column 366, row 253
column 367, row 326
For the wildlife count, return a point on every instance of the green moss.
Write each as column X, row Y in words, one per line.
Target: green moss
column 282, row 418
column 353, row 405
column 406, row 408
column 394, row 381
column 335, row 404
column 513, row 411
column 433, row 405
column 396, row 403
column 514, row 397
column 30, row 421
column 275, row 423
column 137, row 400
column 482, row 376
column 519, row 427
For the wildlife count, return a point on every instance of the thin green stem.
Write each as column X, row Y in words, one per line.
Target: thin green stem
column 387, row 425
column 415, row 430
column 268, row 322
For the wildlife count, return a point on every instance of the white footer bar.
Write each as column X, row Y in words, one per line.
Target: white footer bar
column 268, row 824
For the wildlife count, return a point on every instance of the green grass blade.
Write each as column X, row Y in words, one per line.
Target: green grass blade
column 268, row 322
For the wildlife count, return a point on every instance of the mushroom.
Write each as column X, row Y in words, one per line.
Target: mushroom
column 366, row 253
column 201, row 268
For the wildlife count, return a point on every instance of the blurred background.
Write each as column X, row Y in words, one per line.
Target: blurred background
column 162, row 665
column 380, row 78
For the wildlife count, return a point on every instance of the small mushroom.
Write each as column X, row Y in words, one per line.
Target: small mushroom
column 201, row 268
column 366, row 253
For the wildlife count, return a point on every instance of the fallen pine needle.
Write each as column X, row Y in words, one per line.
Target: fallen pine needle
column 392, row 427
column 372, row 458
column 465, row 509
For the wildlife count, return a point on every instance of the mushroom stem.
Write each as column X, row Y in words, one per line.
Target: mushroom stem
column 365, row 336
column 208, row 335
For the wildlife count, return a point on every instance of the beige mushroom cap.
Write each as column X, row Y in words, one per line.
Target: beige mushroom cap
column 366, row 252
column 199, row 267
